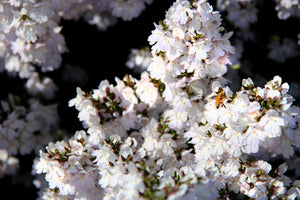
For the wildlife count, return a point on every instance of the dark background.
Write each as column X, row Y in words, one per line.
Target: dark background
column 103, row 55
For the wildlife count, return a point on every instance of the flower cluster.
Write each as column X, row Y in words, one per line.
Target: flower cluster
column 241, row 17
column 179, row 132
column 241, row 13
column 287, row 8
column 31, row 39
column 139, row 60
column 32, row 44
column 26, row 27
column 69, row 170
column 26, row 128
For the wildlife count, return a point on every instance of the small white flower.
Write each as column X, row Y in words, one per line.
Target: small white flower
column 146, row 90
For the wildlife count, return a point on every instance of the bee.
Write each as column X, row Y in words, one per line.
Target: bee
column 220, row 98
column 219, row 101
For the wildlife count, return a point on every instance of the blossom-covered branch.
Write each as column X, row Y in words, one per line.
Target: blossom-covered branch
column 179, row 131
